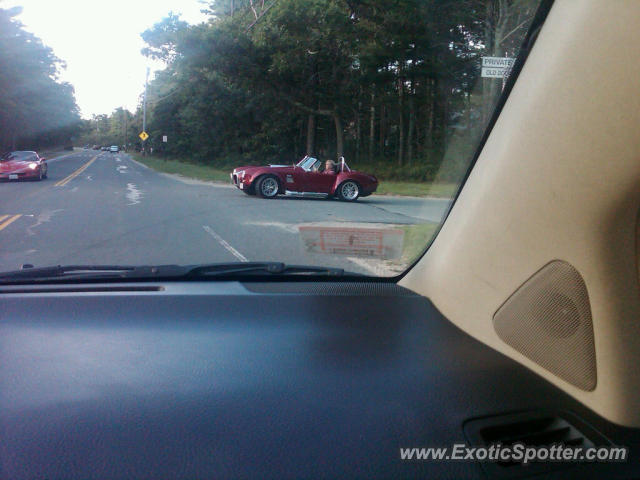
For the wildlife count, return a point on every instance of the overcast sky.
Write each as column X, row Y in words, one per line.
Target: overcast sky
column 100, row 42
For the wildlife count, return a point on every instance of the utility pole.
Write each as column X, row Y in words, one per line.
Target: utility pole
column 124, row 127
column 144, row 112
column 125, row 112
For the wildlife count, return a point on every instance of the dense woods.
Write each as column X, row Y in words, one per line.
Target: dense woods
column 392, row 85
column 36, row 109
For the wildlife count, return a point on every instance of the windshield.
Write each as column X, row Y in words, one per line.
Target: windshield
column 170, row 128
column 16, row 156
column 307, row 163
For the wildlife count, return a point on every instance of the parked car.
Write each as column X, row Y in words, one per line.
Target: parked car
column 23, row 164
column 305, row 179
column 113, row 149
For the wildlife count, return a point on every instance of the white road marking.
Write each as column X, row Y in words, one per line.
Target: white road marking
column 225, row 244
column 44, row 217
column 287, row 227
column 121, row 168
column 133, row 194
column 138, row 163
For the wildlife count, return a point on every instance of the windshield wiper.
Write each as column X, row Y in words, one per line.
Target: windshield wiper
column 270, row 268
column 69, row 272
column 173, row 272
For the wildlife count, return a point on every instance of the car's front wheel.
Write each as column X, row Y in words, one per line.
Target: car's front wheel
column 349, row 191
column 267, row 186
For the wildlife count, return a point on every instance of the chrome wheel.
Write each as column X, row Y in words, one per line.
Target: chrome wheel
column 268, row 187
column 349, row 191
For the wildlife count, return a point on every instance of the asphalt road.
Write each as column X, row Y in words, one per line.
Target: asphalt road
column 104, row 208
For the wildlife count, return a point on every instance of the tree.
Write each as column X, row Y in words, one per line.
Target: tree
column 270, row 81
column 36, row 109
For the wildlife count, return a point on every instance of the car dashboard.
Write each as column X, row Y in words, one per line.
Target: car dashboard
column 255, row 380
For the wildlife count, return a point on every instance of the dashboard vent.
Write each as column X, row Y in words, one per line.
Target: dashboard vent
column 535, row 429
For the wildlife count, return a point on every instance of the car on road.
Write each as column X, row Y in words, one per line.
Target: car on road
column 113, row 149
column 304, row 179
column 23, row 165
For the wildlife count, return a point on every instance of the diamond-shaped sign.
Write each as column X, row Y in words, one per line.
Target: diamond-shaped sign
column 143, row 136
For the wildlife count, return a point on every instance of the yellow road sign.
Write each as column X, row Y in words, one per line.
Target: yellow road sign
column 144, row 136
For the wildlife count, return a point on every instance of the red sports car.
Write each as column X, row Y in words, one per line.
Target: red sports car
column 23, row 164
column 310, row 177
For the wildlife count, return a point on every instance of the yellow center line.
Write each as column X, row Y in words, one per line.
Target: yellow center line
column 8, row 222
column 64, row 181
column 2, row 217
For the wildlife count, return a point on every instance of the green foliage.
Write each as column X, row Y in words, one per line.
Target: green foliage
column 394, row 86
column 36, row 109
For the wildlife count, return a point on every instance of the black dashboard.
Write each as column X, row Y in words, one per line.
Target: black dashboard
column 253, row 380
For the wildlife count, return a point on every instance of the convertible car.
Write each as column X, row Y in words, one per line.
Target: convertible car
column 307, row 178
column 24, row 164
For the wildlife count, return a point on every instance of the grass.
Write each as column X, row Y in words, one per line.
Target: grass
column 416, row 238
column 206, row 172
column 51, row 154
column 416, row 189
column 190, row 170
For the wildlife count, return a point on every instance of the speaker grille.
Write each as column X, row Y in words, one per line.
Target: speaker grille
column 548, row 320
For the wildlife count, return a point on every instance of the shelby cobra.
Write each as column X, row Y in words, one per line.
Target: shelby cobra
column 305, row 179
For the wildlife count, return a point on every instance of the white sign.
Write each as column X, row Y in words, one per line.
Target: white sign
column 498, row 62
column 496, row 67
column 164, row 138
column 495, row 72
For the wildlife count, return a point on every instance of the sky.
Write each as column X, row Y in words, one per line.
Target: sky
column 100, row 42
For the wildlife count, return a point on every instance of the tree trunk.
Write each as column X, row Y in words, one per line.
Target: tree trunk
column 359, row 128
column 412, row 122
column 428, row 135
column 383, row 128
column 339, row 135
column 311, row 133
column 372, row 125
column 400, row 118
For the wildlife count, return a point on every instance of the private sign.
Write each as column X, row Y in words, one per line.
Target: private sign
column 498, row 62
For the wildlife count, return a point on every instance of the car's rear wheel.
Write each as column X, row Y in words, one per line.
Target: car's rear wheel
column 349, row 191
column 267, row 186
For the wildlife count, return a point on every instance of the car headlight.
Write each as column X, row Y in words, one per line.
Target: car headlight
column 33, row 166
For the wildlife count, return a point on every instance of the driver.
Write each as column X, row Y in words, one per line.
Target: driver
column 330, row 167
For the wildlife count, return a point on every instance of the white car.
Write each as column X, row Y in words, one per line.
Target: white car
column 113, row 149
